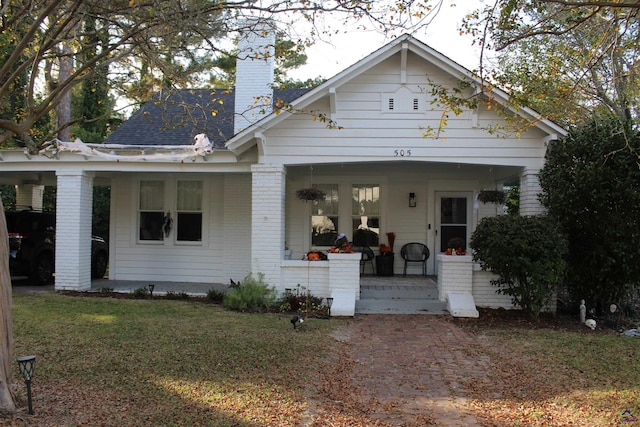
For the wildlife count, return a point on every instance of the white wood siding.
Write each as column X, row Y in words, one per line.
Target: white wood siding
column 369, row 134
column 222, row 254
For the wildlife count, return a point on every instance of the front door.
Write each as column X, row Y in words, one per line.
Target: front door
column 453, row 219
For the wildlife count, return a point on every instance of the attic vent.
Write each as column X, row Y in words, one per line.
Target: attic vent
column 405, row 100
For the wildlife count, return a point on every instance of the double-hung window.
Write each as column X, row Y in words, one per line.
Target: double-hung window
column 151, row 210
column 189, row 211
column 324, row 216
column 365, row 214
column 168, row 207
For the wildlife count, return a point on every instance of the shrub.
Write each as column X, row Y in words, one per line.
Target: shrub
column 172, row 295
column 141, row 292
column 215, row 295
column 300, row 300
column 527, row 252
column 251, row 294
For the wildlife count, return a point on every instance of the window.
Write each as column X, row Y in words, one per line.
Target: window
column 324, row 217
column 189, row 211
column 366, row 214
column 161, row 198
column 151, row 210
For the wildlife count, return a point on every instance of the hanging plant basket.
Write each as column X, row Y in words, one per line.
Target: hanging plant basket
column 492, row 196
column 310, row 194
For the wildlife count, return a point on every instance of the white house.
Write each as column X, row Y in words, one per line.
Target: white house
column 360, row 137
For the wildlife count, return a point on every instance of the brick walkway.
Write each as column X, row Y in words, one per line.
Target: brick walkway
column 410, row 369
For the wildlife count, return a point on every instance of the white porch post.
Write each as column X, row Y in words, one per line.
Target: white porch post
column 267, row 221
column 29, row 196
column 73, row 230
column 529, row 190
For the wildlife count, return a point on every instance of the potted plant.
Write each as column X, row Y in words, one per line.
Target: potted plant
column 492, row 196
column 310, row 194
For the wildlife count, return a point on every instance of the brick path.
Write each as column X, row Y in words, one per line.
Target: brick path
column 410, row 369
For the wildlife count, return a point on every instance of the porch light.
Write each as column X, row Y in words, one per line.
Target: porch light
column 412, row 200
column 329, row 304
column 27, row 365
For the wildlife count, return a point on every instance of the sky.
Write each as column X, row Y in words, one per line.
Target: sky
column 326, row 60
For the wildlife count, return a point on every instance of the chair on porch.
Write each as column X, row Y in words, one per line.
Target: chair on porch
column 415, row 252
column 367, row 256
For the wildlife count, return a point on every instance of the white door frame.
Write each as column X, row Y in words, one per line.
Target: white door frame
column 468, row 195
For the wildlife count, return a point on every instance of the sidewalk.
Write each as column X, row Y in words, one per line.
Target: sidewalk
column 409, row 370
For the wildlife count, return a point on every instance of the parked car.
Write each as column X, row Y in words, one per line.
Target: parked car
column 32, row 247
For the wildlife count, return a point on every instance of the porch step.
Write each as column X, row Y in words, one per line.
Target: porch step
column 400, row 306
column 399, row 292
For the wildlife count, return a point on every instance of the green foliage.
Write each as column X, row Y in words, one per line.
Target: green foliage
column 513, row 200
column 300, row 301
column 215, row 295
column 566, row 60
column 8, row 194
column 527, row 252
column 591, row 184
column 101, row 210
column 250, row 295
column 172, row 295
column 141, row 292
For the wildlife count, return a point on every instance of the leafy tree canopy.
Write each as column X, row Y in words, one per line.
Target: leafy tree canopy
column 591, row 184
column 145, row 45
column 566, row 59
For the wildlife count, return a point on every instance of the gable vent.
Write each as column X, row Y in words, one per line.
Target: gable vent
column 404, row 100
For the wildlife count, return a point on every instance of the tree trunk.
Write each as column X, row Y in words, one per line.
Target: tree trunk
column 64, row 107
column 6, row 332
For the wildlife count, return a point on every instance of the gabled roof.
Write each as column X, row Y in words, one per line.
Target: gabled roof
column 245, row 139
column 174, row 117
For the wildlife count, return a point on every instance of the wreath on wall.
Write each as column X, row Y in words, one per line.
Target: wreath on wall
column 310, row 194
column 492, row 196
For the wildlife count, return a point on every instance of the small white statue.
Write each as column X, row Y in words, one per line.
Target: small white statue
column 583, row 311
column 591, row 324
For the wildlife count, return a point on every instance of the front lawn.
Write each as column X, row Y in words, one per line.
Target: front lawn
column 104, row 361
column 134, row 362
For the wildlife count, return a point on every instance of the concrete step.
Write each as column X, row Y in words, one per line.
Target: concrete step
column 399, row 292
column 400, row 306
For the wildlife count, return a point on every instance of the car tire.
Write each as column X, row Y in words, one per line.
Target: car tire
column 42, row 271
column 99, row 265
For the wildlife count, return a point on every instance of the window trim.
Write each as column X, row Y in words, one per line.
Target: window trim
column 345, row 183
column 170, row 205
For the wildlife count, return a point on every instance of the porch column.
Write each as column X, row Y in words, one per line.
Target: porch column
column 29, row 196
column 529, row 190
column 267, row 220
column 73, row 230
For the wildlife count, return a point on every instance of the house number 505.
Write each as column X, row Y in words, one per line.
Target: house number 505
column 402, row 153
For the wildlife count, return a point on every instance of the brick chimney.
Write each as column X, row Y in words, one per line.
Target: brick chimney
column 254, row 74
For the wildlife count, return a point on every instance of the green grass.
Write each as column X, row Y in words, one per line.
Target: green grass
column 159, row 362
